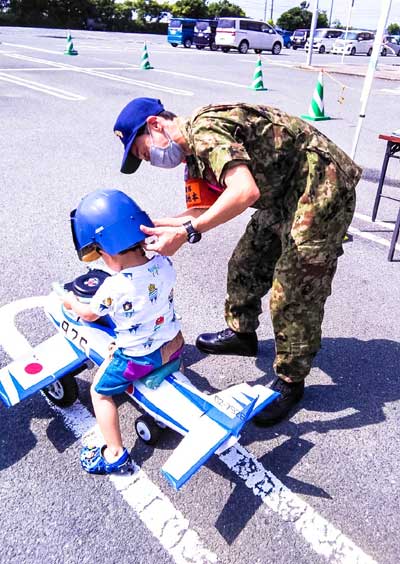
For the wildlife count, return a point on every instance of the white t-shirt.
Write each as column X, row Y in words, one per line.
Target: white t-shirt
column 140, row 302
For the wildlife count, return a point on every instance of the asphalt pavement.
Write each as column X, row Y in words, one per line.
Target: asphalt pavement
column 321, row 487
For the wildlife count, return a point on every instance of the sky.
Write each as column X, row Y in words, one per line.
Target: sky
column 365, row 13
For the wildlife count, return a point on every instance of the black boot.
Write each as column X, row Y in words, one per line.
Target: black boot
column 228, row 342
column 291, row 394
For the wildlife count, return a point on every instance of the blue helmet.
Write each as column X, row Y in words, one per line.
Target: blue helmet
column 109, row 220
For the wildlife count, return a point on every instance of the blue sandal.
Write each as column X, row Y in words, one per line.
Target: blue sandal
column 93, row 461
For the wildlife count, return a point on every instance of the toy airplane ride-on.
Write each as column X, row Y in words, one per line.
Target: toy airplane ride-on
column 210, row 423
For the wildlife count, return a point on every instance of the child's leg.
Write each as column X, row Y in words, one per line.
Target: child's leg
column 107, row 418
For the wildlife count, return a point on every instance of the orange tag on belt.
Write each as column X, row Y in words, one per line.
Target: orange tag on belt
column 199, row 194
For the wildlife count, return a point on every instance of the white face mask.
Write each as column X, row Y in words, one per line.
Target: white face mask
column 166, row 157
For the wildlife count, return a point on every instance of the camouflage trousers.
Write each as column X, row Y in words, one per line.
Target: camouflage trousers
column 297, row 261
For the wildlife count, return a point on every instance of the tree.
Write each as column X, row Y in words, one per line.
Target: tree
column 224, row 8
column 68, row 13
column 393, row 29
column 296, row 18
column 149, row 9
column 337, row 24
column 190, row 9
column 29, row 11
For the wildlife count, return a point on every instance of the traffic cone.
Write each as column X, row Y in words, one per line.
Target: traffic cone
column 69, row 49
column 145, row 63
column 257, row 83
column 316, row 109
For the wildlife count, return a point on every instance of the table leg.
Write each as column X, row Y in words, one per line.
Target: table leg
column 395, row 236
column 381, row 180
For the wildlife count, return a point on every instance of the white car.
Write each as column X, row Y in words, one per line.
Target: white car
column 244, row 34
column 354, row 42
column 324, row 39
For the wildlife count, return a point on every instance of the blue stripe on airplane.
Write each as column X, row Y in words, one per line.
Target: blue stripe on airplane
column 141, row 398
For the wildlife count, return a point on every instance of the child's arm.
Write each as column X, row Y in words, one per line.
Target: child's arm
column 83, row 310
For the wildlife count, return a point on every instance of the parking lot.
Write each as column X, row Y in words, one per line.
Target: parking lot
column 321, row 487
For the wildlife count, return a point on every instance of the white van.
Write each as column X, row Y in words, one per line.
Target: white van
column 324, row 39
column 244, row 34
column 354, row 42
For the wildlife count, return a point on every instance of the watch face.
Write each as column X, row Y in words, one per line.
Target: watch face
column 194, row 237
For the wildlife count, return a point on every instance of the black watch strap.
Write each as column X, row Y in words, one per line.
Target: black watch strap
column 193, row 236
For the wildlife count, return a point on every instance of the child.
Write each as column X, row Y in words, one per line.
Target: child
column 138, row 298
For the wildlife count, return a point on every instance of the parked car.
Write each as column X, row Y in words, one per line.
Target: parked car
column 299, row 38
column 204, row 34
column 354, row 42
column 324, row 39
column 244, row 34
column 286, row 36
column 390, row 45
column 181, row 32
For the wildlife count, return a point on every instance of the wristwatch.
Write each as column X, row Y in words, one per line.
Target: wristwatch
column 193, row 236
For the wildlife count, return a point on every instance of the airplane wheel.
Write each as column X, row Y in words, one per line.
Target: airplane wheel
column 147, row 430
column 62, row 392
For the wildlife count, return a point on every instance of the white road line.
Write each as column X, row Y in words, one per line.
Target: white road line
column 370, row 236
column 368, row 219
column 395, row 91
column 81, row 46
column 99, row 74
column 33, row 48
column 166, row 523
column 195, row 77
column 156, row 511
column 41, row 88
column 323, row 537
column 133, row 67
column 47, row 69
column 269, row 62
column 191, row 76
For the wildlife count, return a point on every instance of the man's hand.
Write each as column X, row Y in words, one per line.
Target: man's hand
column 165, row 240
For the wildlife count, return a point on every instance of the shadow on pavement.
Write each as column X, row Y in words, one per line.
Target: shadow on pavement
column 363, row 375
column 373, row 175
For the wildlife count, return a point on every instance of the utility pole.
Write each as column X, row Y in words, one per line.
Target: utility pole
column 265, row 11
column 369, row 77
column 272, row 10
column 351, row 5
column 330, row 14
column 312, row 32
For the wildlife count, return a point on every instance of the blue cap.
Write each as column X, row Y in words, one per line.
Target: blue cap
column 128, row 123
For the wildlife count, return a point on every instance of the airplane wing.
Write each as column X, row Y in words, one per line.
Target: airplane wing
column 216, row 430
column 46, row 363
column 194, row 450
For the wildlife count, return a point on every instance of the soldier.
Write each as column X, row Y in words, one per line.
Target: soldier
column 302, row 187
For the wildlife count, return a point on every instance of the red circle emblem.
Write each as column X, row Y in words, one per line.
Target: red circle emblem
column 33, row 368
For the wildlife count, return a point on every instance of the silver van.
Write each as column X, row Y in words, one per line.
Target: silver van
column 244, row 34
column 324, row 39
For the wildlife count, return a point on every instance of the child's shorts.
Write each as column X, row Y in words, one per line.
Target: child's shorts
column 123, row 370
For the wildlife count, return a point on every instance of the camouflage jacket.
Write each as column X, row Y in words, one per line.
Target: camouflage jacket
column 278, row 148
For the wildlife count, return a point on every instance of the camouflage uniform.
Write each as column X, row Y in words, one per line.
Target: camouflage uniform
column 293, row 240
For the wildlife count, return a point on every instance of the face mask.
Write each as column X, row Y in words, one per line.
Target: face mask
column 166, row 157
